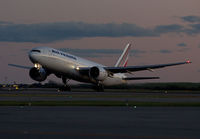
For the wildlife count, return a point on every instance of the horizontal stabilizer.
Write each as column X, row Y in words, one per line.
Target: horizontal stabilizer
column 140, row 78
column 19, row 66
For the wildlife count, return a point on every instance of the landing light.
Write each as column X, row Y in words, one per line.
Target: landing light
column 188, row 61
column 36, row 65
column 73, row 66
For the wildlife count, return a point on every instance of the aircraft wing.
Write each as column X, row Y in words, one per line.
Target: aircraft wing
column 140, row 68
column 128, row 69
column 19, row 66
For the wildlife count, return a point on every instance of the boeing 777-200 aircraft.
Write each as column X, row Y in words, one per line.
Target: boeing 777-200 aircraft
column 67, row 66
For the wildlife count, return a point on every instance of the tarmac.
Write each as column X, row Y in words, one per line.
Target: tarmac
column 143, row 96
column 99, row 122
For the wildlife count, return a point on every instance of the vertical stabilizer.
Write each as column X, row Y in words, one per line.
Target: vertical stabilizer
column 123, row 59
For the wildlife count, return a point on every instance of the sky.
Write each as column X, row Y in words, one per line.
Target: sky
column 160, row 31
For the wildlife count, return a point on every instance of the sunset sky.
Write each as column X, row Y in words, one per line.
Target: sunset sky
column 161, row 31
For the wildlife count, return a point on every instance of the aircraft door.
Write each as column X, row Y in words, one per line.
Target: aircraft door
column 49, row 52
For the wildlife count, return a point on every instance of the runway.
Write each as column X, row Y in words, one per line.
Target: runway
column 100, row 122
column 97, row 122
column 142, row 96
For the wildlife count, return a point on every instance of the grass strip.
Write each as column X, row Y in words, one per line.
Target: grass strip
column 99, row 103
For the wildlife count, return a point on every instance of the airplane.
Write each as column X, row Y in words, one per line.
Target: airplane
column 70, row 67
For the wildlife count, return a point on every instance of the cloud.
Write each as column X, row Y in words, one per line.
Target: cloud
column 191, row 19
column 91, row 52
column 168, row 28
column 183, row 50
column 50, row 32
column 137, row 53
column 100, row 52
column 194, row 29
column 182, row 44
column 165, row 51
column 5, row 23
column 60, row 31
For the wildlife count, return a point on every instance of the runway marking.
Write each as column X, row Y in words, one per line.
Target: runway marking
column 89, row 135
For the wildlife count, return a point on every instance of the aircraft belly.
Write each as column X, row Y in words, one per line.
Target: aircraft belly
column 63, row 68
column 59, row 66
column 113, row 81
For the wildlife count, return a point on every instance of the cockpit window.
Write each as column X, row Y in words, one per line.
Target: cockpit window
column 36, row 51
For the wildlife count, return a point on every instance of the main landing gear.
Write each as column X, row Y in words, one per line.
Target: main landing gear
column 66, row 87
column 99, row 87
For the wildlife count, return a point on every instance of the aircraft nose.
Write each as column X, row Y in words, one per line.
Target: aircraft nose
column 32, row 56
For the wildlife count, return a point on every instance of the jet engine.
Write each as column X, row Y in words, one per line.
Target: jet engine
column 38, row 74
column 98, row 73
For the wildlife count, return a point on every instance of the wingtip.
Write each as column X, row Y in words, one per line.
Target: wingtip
column 188, row 62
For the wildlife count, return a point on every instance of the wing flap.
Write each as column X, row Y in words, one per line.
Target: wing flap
column 140, row 78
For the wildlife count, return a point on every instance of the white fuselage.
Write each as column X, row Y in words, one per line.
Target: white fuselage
column 65, row 64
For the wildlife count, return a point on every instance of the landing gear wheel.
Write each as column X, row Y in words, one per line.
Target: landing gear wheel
column 65, row 87
column 99, row 88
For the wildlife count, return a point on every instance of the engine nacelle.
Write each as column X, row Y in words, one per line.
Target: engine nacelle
column 38, row 74
column 98, row 73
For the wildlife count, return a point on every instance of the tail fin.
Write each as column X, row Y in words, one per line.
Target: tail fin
column 123, row 59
